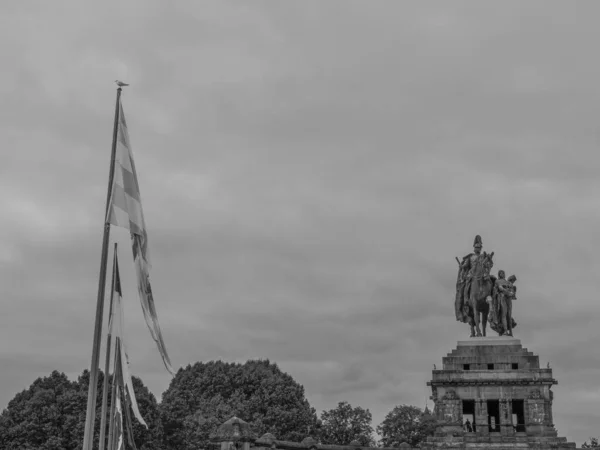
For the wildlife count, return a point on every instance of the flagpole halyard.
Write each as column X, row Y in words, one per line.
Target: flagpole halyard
column 90, row 416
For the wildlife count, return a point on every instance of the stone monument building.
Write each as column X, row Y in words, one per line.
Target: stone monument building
column 499, row 388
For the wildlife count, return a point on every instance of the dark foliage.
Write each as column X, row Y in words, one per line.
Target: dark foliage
column 345, row 424
column 408, row 424
column 45, row 416
column 204, row 395
column 50, row 415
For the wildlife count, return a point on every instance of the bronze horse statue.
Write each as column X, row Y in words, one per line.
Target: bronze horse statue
column 482, row 285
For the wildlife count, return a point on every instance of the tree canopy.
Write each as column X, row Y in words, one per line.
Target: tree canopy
column 406, row 423
column 50, row 415
column 204, row 395
column 345, row 424
column 592, row 444
column 45, row 416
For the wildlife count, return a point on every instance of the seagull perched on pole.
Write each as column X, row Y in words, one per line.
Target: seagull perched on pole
column 120, row 83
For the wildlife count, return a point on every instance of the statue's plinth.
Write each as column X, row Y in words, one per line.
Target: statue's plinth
column 499, row 386
column 492, row 340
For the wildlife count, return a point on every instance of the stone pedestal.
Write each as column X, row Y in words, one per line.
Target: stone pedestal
column 501, row 386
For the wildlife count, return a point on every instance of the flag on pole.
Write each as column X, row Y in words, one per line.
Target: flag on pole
column 116, row 329
column 119, row 432
column 118, row 427
column 128, row 421
column 125, row 210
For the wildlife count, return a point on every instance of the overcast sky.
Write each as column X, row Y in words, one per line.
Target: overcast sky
column 309, row 170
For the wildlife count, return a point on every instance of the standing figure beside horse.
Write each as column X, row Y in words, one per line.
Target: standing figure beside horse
column 480, row 296
column 501, row 319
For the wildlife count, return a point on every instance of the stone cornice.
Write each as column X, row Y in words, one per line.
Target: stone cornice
column 493, row 382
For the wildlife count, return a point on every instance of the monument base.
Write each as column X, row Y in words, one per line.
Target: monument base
column 496, row 442
column 492, row 393
column 490, row 340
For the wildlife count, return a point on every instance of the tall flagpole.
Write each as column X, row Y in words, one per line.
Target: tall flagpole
column 90, row 416
column 107, row 359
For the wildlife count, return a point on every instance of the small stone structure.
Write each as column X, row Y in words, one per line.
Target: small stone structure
column 500, row 388
column 235, row 434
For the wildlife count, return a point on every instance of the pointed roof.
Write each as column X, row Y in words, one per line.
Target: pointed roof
column 235, row 429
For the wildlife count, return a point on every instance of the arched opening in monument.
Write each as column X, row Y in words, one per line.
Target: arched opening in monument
column 468, row 410
column 518, row 415
column 493, row 407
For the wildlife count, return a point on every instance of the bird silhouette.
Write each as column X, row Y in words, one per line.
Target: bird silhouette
column 120, row 83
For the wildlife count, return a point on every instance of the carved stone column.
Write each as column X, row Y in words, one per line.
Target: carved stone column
column 549, row 429
column 481, row 417
column 451, row 413
column 536, row 413
column 549, row 417
column 506, row 425
column 436, row 404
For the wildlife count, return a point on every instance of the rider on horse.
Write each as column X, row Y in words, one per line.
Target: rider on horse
column 465, row 278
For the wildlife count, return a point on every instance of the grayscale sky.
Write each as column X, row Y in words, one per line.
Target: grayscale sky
column 309, row 170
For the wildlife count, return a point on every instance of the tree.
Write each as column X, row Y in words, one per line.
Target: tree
column 593, row 443
column 204, row 395
column 345, row 424
column 45, row 416
column 406, row 423
column 50, row 415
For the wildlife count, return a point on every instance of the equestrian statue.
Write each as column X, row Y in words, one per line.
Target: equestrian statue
column 481, row 297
